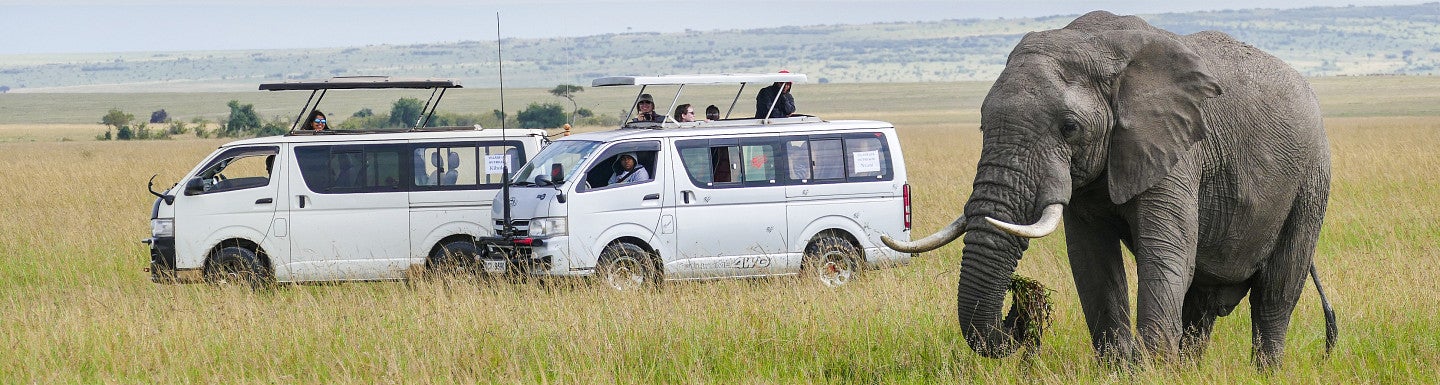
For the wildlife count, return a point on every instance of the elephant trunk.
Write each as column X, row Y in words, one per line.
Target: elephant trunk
column 989, row 260
column 1014, row 184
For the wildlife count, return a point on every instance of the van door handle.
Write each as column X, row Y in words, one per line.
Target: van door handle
column 302, row 200
column 652, row 197
column 262, row 201
column 686, row 195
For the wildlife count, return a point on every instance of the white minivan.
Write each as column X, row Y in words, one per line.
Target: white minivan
column 335, row 205
column 731, row 197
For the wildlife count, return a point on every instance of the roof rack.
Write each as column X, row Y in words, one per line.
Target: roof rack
column 319, row 87
column 359, row 82
column 698, row 79
column 742, row 79
column 385, row 131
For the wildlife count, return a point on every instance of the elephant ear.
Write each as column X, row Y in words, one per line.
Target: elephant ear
column 1157, row 106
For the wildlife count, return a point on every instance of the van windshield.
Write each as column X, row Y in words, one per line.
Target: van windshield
column 554, row 163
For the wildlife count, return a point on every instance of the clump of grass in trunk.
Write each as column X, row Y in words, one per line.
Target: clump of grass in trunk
column 1031, row 311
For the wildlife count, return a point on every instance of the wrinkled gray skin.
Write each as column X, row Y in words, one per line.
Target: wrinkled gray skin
column 1204, row 156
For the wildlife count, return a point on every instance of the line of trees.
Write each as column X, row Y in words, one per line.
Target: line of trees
column 243, row 121
column 118, row 126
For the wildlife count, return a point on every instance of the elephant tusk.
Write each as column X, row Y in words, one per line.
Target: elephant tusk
column 932, row 242
column 1049, row 220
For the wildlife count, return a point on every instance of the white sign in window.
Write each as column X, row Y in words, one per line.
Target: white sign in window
column 867, row 161
column 495, row 164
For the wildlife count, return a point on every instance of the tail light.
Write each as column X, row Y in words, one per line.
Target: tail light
column 906, row 193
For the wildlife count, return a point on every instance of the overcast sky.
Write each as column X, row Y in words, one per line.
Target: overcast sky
column 70, row 26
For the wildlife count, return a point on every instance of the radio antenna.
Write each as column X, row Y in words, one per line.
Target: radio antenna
column 505, row 228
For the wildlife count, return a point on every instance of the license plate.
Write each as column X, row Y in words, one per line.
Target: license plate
column 494, row 266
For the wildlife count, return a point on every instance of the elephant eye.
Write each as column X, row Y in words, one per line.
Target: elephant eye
column 1069, row 128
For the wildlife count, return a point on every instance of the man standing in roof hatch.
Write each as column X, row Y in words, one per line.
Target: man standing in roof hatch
column 784, row 106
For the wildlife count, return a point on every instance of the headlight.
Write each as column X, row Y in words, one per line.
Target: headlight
column 162, row 228
column 549, row 227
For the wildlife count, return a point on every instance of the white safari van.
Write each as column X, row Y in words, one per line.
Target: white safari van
column 335, row 205
column 732, row 197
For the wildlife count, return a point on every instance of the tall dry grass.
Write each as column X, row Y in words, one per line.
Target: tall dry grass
column 75, row 305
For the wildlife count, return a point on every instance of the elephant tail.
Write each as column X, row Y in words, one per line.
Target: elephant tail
column 1331, row 331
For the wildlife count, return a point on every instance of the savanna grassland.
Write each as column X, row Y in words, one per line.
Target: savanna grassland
column 76, row 306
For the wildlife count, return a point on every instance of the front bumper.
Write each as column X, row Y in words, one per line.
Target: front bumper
column 162, row 263
column 533, row 256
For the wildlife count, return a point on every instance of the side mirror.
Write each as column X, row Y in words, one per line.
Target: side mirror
column 557, row 173
column 169, row 199
column 194, row 186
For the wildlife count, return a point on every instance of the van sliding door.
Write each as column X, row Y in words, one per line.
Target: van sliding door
column 729, row 208
column 349, row 212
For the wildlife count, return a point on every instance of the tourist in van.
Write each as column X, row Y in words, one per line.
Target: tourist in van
column 316, row 121
column 646, row 110
column 783, row 107
column 628, row 170
column 712, row 112
column 684, row 113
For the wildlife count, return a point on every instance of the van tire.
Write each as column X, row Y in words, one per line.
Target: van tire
column 627, row 267
column 237, row 265
column 454, row 257
column 831, row 260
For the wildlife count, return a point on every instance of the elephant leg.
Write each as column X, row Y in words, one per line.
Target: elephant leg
column 1277, row 287
column 1199, row 323
column 1093, row 246
column 1165, row 224
column 1204, row 303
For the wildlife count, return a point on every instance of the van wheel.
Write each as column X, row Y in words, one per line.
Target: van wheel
column 832, row 260
column 627, row 267
column 236, row 265
column 454, row 257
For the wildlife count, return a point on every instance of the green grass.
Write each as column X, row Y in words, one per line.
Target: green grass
column 76, row 306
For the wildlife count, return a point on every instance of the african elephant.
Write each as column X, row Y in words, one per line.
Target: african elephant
column 1202, row 155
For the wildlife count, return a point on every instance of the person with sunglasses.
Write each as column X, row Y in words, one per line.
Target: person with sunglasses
column 684, row 113
column 316, row 121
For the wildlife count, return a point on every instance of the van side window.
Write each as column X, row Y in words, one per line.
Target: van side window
column 493, row 159
column 351, row 169
column 610, row 168
column 718, row 165
column 759, row 163
column 443, row 166
column 797, row 159
column 709, row 166
column 866, row 158
column 382, row 172
column 722, row 164
column 853, row 157
column 828, row 159
column 238, row 169
column 697, row 164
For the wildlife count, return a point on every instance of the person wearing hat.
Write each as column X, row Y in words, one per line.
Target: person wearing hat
column 628, row 170
column 646, row 110
column 784, row 105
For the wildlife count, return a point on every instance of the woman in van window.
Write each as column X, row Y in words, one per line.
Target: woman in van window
column 628, row 170
column 317, row 122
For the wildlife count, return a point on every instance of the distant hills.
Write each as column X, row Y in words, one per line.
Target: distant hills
column 1320, row 41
